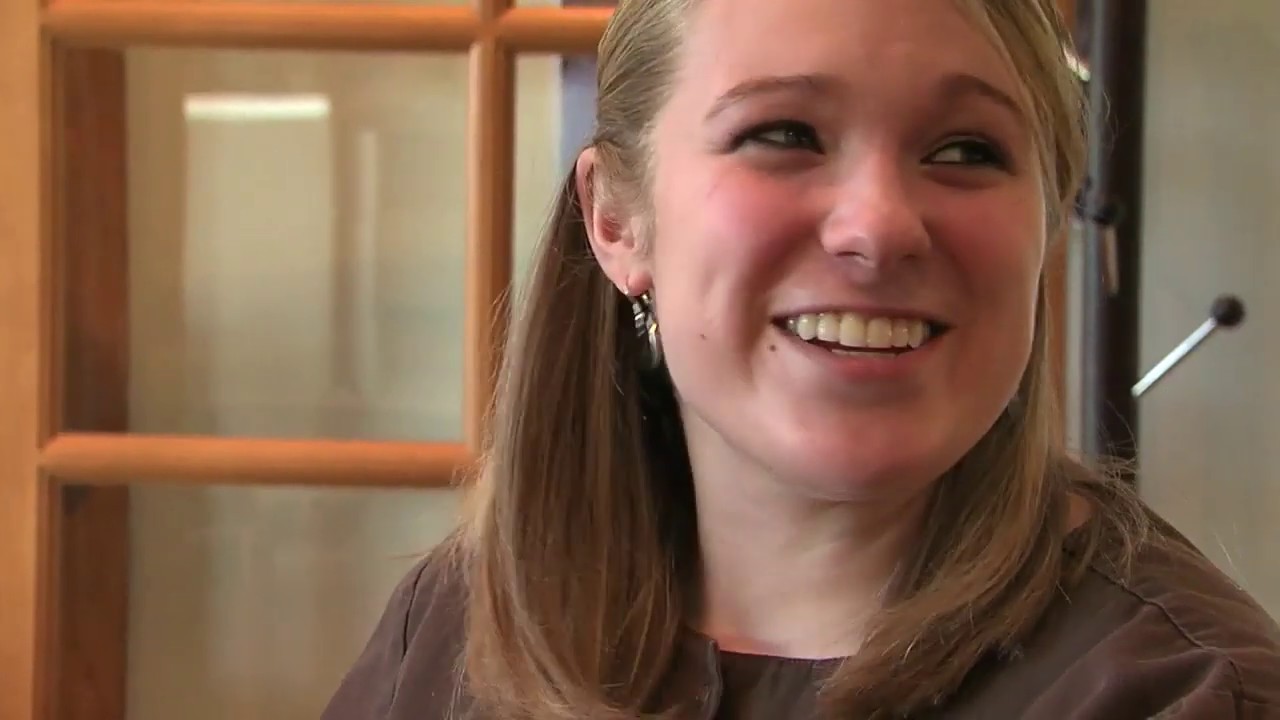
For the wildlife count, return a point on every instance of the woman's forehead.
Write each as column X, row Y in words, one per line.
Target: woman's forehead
column 732, row 40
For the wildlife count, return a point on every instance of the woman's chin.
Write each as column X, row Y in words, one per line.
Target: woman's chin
column 854, row 477
column 887, row 454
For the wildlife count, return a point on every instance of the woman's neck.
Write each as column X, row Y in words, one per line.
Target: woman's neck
column 792, row 576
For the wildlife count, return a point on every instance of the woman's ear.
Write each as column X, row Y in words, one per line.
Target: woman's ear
column 610, row 230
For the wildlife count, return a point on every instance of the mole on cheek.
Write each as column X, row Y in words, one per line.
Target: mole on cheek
column 702, row 335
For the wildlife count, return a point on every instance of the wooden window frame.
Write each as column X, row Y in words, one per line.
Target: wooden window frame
column 66, row 458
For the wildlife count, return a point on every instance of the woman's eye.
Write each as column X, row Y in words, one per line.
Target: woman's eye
column 787, row 135
column 969, row 151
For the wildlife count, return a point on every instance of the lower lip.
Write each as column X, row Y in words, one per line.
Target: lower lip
column 866, row 367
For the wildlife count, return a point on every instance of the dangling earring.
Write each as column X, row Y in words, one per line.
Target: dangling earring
column 1015, row 407
column 646, row 322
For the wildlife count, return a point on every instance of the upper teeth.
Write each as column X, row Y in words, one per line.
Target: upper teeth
column 858, row 331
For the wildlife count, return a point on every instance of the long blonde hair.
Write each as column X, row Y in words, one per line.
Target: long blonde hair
column 580, row 541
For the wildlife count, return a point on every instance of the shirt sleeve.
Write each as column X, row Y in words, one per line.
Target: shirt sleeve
column 1149, row 668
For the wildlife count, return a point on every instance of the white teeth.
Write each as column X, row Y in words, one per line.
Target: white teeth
column 902, row 333
column 829, row 327
column 880, row 333
column 807, row 327
column 853, row 330
column 915, row 338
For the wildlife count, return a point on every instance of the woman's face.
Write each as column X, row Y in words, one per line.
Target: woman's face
column 847, row 240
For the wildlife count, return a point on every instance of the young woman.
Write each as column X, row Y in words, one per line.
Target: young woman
column 776, row 440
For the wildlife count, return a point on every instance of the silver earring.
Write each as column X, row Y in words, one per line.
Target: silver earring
column 646, row 322
column 1015, row 407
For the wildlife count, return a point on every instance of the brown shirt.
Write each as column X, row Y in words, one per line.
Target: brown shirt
column 1175, row 640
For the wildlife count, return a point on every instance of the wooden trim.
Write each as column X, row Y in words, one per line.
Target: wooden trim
column 490, row 175
column 567, row 31
column 93, row 602
column 1057, row 295
column 91, row 219
column 277, row 25
column 1056, row 299
column 24, row 353
column 91, row 240
column 1068, row 10
column 135, row 459
column 321, row 26
column 1110, row 323
column 490, row 10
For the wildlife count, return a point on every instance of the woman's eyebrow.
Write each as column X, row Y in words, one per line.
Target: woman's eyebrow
column 951, row 88
column 955, row 87
column 809, row 84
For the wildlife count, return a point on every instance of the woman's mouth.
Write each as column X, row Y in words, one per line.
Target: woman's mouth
column 851, row 332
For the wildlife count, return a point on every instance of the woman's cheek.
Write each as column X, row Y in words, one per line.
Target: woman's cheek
column 758, row 218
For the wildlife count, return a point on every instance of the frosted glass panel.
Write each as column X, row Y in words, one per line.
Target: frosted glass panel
column 251, row 603
column 540, row 162
column 297, row 235
column 1209, row 445
column 297, row 239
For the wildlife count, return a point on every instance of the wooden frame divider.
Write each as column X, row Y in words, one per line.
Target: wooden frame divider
column 491, row 121
column 106, row 459
column 25, row 350
column 90, row 372
column 325, row 26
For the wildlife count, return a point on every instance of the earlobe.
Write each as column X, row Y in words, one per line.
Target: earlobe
column 611, row 237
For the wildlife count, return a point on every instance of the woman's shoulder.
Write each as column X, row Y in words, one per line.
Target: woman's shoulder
column 1175, row 616
column 409, row 666
column 1166, row 634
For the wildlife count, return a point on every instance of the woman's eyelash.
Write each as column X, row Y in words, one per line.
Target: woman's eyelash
column 971, row 151
column 782, row 135
column 795, row 135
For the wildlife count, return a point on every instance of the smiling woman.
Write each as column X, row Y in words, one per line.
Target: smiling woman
column 776, row 437
column 897, row 194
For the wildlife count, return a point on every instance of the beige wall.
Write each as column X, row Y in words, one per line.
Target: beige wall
column 1210, row 444
column 1210, row 432
column 297, row 238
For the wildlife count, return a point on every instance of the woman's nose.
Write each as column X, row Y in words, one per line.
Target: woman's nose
column 874, row 221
